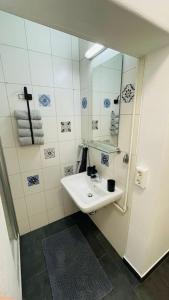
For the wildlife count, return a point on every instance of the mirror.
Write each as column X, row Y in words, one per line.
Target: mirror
column 106, row 85
column 101, row 105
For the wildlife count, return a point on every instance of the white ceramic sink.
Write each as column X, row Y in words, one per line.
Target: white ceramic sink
column 89, row 196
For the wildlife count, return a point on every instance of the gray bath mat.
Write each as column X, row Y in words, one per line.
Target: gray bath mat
column 74, row 271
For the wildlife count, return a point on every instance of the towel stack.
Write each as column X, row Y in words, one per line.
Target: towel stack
column 114, row 129
column 23, row 126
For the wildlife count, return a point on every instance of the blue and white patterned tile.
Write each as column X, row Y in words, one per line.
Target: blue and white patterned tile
column 107, row 103
column 84, row 102
column 95, row 124
column 33, row 180
column 128, row 93
column 65, row 126
column 68, row 170
column 44, row 100
column 49, row 153
column 105, row 159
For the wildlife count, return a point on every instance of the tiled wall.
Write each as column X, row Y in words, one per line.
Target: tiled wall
column 47, row 62
column 110, row 221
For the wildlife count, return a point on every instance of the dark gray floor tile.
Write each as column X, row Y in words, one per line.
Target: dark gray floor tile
column 37, row 288
column 153, row 288
column 59, row 226
column 126, row 285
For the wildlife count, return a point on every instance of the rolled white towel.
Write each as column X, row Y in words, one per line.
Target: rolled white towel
column 23, row 115
column 27, row 133
column 24, row 141
column 24, row 124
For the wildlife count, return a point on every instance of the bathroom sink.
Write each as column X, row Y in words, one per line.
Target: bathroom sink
column 88, row 195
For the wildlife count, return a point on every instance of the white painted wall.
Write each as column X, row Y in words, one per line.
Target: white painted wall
column 9, row 286
column 155, row 11
column 148, row 238
column 101, row 21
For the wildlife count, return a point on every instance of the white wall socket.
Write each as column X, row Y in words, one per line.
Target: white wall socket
column 141, row 177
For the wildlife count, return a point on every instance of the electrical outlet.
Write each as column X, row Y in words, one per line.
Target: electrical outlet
column 141, row 177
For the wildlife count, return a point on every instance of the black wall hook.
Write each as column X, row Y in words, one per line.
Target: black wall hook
column 28, row 97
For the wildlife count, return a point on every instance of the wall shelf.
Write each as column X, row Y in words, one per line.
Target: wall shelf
column 104, row 147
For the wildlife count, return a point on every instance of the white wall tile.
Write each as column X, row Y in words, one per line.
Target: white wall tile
column 120, row 169
column 14, row 102
column 2, row 79
column 38, row 220
column 129, row 62
column 54, row 202
column 129, row 77
column 38, row 37
column 22, row 215
column 125, row 132
column 61, row 44
column 64, row 102
column 23, row 223
column 6, row 132
column 46, row 111
column 78, row 130
column 97, row 103
column 54, row 198
column 15, row 65
column 63, row 76
column 67, row 152
column 77, row 102
column 12, row 30
column 51, row 177
column 50, row 129
column 4, row 111
column 85, row 73
column 55, row 214
column 47, row 162
column 41, row 69
column 75, row 48
column 16, row 185
column 34, row 188
column 76, row 79
column 35, row 203
column 29, row 158
column 69, row 205
column 11, row 159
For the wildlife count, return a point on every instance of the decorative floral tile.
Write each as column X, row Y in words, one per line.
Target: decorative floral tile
column 105, row 159
column 95, row 125
column 84, row 102
column 44, row 100
column 65, row 126
column 68, row 170
column 33, row 180
column 128, row 93
column 107, row 103
column 49, row 153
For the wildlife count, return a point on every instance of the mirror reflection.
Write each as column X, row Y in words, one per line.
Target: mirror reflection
column 101, row 79
column 105, row 98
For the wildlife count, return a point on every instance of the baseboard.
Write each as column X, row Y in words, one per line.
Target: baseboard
column 149, row 271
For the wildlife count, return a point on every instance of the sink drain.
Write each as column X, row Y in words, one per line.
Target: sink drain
column 90, row 195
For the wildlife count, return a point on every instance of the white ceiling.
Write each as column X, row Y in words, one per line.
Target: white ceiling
column 102, row 21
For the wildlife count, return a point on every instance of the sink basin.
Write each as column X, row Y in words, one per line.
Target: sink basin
column 89, row 196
